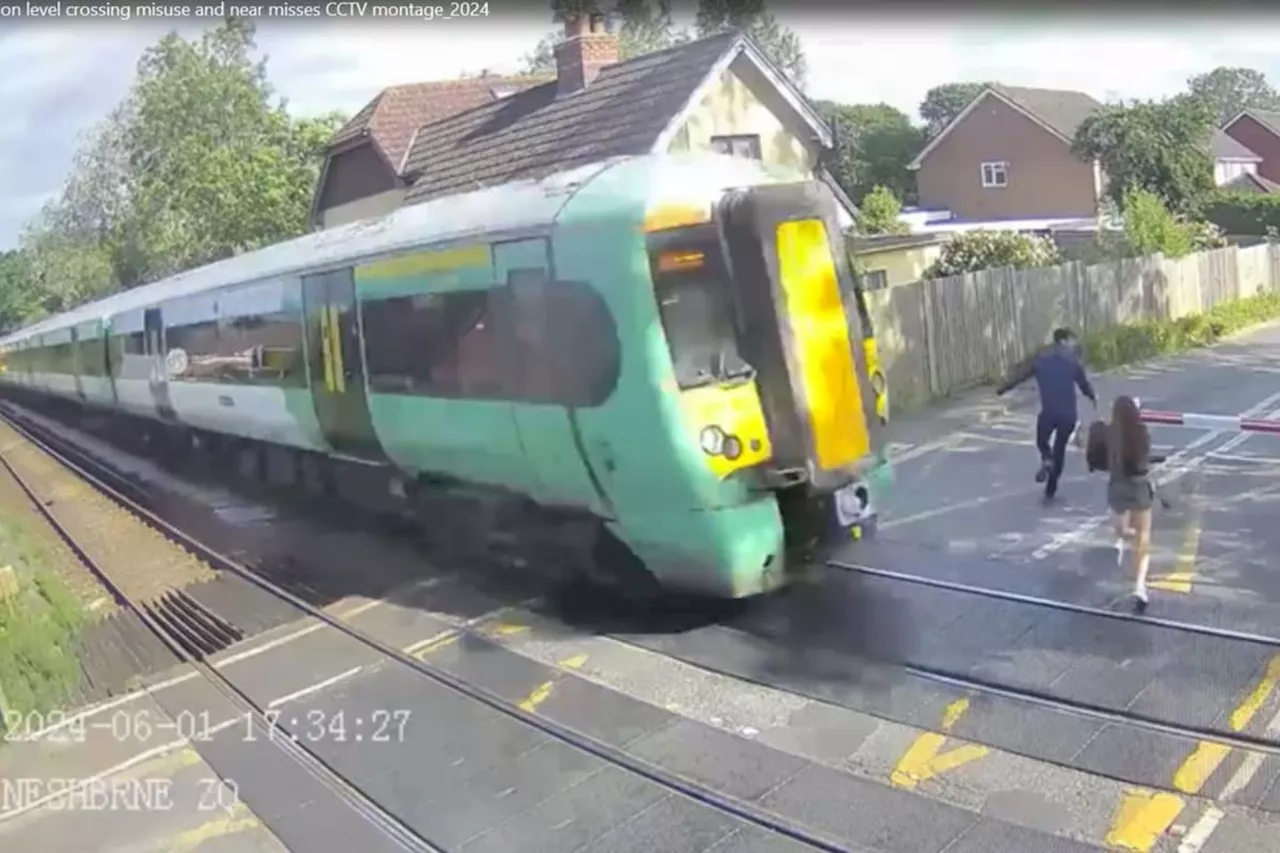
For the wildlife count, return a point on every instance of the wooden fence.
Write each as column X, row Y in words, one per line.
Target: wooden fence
column 941, row 336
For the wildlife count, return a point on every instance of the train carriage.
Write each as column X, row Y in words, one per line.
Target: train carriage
column 666, row 354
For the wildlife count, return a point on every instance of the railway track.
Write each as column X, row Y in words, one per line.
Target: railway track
column 193, row 631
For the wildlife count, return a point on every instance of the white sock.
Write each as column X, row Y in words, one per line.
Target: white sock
column 1140, row 583
column 1119, row 550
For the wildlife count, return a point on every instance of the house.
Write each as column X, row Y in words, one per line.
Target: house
column 890, row 260
column 716, row 94
column 1251, row 182
column 1259, row 131
column 361, row 174
column 1008, row 156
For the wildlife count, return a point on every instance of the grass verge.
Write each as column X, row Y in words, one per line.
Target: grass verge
column 1134, row 342
column 39, row 626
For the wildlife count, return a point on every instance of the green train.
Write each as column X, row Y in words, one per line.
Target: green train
column 659, row 369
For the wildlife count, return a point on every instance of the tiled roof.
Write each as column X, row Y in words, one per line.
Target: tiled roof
column 1065, row 111
column 393, row 116
column 1226, row 147
column 540, row 131
column 1062, row 110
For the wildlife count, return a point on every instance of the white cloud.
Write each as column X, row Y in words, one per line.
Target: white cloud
column 57, row 81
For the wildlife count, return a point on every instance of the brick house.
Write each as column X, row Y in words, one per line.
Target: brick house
column 1007, row 156
column 715, row 94
column 1259, row 131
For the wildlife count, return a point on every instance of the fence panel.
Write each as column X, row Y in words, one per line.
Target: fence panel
column 940, row 336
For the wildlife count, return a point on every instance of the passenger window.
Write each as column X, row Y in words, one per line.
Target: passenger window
column 434, row 344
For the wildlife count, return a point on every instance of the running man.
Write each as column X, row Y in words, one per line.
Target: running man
column 1058, row 372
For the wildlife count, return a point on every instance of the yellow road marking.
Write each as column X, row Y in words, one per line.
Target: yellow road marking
column 1144, row 816
column 574, row 662
column 537, row 697
column 1184, row 571
column 238, row 821
column 924, row 759
column 434, row 644
column 505, row 629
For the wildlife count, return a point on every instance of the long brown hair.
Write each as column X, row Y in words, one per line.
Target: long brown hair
column 1129, row 445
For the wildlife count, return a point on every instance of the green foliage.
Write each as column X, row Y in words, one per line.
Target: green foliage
column 1133, row 342
column 1227, row 91
column 879, row 212
column 943, row 103
column 1157, row 146
column 39, row 629
column 779, row 44
column 1150, row 228
column 971, row 251
column 1242, row 213
column 873, row 145
column 200, row 162
column 643, row 26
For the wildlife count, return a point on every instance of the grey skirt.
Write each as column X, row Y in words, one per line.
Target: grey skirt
column 1129, row 494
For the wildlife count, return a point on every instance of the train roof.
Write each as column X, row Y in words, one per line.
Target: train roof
column 509, row 207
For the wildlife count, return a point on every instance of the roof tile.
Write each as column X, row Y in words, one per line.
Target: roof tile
column 540, row 131
column 397, row 111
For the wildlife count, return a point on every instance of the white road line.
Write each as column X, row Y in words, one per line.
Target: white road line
column 314, row 688
column 1196, row 837
column 252, row 652
column 1181, row 463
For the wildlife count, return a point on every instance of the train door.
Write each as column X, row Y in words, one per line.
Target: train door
column 337, row 365
column 546, row 420
column 77, row 364
column 158, row 373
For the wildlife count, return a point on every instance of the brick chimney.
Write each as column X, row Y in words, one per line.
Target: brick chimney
column 587, row 47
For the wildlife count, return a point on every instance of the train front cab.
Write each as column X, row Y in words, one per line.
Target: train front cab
column 786, row 402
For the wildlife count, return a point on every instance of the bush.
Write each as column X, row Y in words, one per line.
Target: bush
column 972, row 251
column 1242, row 213
column 879, row 212
column 1132, row 342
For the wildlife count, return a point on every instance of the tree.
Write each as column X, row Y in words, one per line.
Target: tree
column 198, row 163
column 971, row 251
column 943, row 103
column 19, row 302
column 780, row 44
column 221, row 167
column 643, row 26
column 878, row 213
column 873, row 145
column 1227, row 91
column 1162, row 147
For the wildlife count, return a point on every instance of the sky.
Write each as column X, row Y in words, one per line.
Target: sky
column 59, row 78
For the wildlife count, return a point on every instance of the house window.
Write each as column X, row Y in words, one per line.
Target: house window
column 995, row 175
column 875, row 280
column 737, row 146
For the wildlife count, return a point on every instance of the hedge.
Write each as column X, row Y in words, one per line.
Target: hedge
column 1242, row 213
column 1131, row 342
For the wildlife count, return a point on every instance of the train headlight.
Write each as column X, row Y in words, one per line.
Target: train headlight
column 732, row 448
column 712, row 440
column 878, row 383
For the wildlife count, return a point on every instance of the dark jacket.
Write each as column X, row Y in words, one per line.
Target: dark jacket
column 1058, row 372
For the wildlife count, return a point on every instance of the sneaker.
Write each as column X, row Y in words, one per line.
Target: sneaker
column 1043, row 473
column 1140, row 603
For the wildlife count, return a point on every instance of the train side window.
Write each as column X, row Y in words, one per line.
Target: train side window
column 200, row 343
column 565, row 348
column 434, row 344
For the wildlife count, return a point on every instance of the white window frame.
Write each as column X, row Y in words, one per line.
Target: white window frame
column 992, row 170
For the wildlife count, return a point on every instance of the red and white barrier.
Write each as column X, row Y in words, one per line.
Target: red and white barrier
column 1218, row 423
